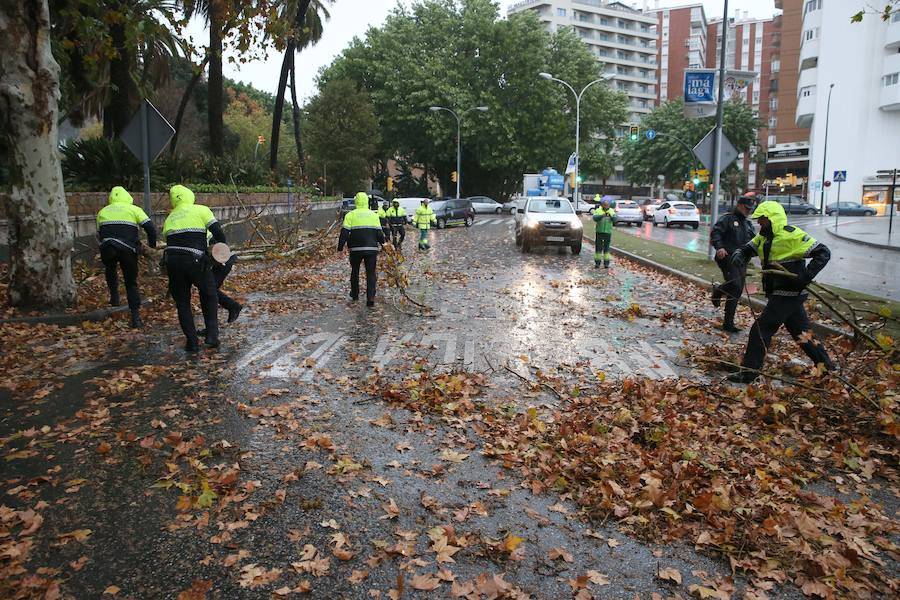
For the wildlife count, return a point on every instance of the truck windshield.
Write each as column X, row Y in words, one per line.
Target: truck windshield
column 550, row 206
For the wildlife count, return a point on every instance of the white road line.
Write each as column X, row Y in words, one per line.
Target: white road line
column 449, row 349
column 469, row 355
column 263, row 349
column 385, row 351
column 658, row 363
column 327, row 355
column 606, row 356
column 291, row 365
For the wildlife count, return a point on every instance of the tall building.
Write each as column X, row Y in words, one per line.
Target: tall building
column 857, row 67
column 788, row 143
column 681, row 44
column 752, row 44
column 621, row 37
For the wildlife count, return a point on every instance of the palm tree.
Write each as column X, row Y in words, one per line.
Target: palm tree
column 303, row 24
column 125, row 56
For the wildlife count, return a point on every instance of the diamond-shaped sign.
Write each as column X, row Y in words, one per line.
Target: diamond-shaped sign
column 704, row 151
column 159, row 132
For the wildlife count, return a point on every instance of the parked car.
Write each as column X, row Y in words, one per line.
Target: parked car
column 649, row 207
column 678, row 212
column 795, row 205
column 348, row 204
column 483, row 204
column 454, row 212
column 850, row 208
column 547, row 221
column 627, row 213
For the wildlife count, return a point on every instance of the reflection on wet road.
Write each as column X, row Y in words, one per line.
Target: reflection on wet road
column 853, row 266
column 492, row 306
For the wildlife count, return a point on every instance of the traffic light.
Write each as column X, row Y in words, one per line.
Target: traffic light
column 453, row 176
column 390, row 184
column 580, row 179
column 633, row 132
column 696, row 180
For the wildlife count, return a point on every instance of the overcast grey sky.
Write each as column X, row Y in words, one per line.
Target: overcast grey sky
column 351, row 18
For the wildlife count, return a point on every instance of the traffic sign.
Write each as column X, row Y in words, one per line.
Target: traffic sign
column 651, row 134
column 146, row 135
column 827, row 184
column 704, row 151
column 840, row 176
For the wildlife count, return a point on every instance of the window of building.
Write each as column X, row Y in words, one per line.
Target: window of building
column 772, row 140
column 773, row 103
column 773, row 122
column 813, row 5
column 776, row 65
column 811, row 34
column 560, row 12
column 755, row 96
column 604, row 21
column 891, row 79
column 807, row 91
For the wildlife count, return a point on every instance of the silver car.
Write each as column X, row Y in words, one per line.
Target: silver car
column 483, row 204
column 628, row 212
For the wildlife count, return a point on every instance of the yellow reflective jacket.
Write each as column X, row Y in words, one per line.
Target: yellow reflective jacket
column 187, row 227
column 424, row 217
column 604, row 218
column 788, row 246
column 119, row 221
column 361, row 231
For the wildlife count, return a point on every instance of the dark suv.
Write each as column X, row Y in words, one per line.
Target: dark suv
column 454, row 212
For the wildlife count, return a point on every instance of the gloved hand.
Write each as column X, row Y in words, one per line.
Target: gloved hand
column 737, row 259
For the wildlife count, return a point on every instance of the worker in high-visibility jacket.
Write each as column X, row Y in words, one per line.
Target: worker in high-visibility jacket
column 423, row 220
column 189, row 264
column 779, row 245
column 363, row 236
column 118, row 231
column 396, row 216
column 604, row 219
column 383, row 218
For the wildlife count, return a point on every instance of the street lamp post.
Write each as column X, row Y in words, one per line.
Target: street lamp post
column 575, row 195
column 458, row 139
column 825, row 149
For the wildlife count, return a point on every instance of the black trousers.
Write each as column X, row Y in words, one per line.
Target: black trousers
column 398, row 234
column 186, row 270
column 732, row 288
column 789, row 311
column 113, row 257
column 371, row 261
column 220, row 272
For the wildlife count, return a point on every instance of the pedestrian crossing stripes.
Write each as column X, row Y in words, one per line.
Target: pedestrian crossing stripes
column 302, row 358
column 493, row 221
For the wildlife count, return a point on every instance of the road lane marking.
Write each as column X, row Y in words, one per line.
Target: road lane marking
column 449, row 340
column 386, row 349
column 327, row 354
column 656, row 363
column 263, row 349
column 290, row 365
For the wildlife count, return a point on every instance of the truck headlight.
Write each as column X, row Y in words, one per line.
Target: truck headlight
column 577, row 225
column 530, row 224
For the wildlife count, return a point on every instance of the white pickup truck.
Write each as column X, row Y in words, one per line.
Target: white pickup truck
column 547, row 221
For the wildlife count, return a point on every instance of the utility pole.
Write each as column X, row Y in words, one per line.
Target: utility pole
column 825, row 150
column 720, row 115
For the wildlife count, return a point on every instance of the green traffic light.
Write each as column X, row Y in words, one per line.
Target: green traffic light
column 579, row 179
column 696, row 181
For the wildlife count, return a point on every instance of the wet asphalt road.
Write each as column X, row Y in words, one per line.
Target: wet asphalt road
column 853, row 266
column 293, row 356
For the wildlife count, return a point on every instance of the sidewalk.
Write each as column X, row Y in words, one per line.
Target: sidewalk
column 872, row 231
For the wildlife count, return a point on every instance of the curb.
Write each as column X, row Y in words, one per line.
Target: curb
column 861, row 242
column 818, row 328
column 64, row 320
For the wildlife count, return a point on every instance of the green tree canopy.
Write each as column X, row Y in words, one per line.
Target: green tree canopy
column 342, row 135
column 645, row 159
column 460, row 54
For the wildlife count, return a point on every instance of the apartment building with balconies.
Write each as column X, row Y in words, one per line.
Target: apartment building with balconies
column 753, row 46
column 681, row 44
column 621, row 37
column 857, row 65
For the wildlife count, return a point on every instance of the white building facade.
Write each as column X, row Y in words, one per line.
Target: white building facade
column 621, row 37
column 858, row 65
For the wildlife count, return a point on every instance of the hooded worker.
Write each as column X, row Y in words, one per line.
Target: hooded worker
column 363, row 236
column 423, row 220
column 188, row 264
column 396, row 216
column 118, row 231
column 604, row 219
column 781, row 246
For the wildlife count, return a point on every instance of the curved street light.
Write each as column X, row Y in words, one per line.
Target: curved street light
column 578, row 96
column 458, row 139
